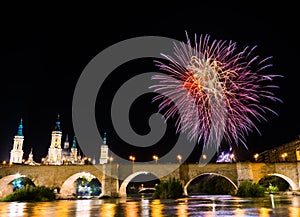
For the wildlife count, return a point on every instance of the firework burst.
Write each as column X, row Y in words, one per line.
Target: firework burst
column 218, row 91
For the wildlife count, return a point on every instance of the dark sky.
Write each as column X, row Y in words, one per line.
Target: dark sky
column 44, row 49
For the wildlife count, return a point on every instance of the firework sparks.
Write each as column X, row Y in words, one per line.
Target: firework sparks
column 217, row 89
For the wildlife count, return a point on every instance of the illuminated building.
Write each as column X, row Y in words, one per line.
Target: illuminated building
column 57, row 155
column 16, row 154
column 288, row 152
column 30, row 160
column 55, row 151
column 104, row 152
column 226, row 157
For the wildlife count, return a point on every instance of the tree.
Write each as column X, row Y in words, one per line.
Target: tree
column 212, row 185
column 170, row 189
column 250, row 189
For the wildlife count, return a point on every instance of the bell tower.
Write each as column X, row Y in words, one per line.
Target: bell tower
column 74, row 150
column 16, row 154
column 103, row 151
column 55, row 150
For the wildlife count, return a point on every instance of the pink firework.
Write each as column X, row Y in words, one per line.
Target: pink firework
column 218, row 91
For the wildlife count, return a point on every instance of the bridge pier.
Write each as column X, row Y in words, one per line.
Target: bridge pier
column 110, row 181
column 298, row 173
column 184, row 170
column 244, row 172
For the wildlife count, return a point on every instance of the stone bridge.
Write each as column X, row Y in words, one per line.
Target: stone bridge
column 114, row 178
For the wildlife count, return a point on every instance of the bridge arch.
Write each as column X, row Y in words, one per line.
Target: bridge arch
column 203, row 174
column 5, row 181
column 122, row 189
column 287, row 179
column 68, row 188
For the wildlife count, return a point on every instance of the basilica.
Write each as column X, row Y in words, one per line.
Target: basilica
column 57, row 155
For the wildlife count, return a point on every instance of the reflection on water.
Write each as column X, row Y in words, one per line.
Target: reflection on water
column 16, row 209
column 132, row 209
column 182, row 209
column 156, row 208
column 294, row 211
column 146, row 207
column 108, row 209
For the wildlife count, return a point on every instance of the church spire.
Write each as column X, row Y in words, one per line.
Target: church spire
column 20, row 130
column 66, row 144
column 74, row 142
column 57, row 125
column 104, row 139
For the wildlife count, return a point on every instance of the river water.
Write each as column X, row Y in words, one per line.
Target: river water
column 205, row 205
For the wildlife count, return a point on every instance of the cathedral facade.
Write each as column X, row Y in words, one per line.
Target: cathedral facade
column 57, row 154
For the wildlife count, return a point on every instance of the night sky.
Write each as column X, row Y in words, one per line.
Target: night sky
column 44, row 50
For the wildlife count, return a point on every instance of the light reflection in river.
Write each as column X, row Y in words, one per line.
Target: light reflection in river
column 182, row 210
column 83, row 208
column 239, row 212
column 132, row 209
column 16, row 209
column 108, row 209
column 156, row 208
column 264, row 212
column 208, row 206
column 145, row 207
column 294, row 212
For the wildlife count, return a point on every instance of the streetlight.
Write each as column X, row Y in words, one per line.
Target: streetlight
column 132, row 158
column 256, row 157
column 110, row 159
column 231, row 157
column 155, row 157
column 179, row 158
column 284, row 155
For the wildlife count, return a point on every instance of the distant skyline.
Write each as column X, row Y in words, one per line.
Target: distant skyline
column 43, row 53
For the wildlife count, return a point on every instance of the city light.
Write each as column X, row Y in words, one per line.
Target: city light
column 226, row 157
column 155, row 157
column 256, row 156
column 132, row 158
column 284, row 155
column 179, row 158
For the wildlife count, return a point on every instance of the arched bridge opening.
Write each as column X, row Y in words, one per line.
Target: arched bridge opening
column 81, row 185
column 210, row 183
column 282, row 182
column 10, row 183
column 138, row 182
